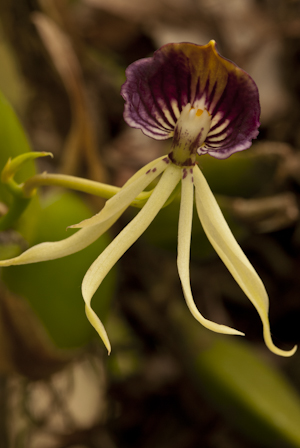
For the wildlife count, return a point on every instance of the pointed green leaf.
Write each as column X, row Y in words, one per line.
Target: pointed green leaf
column 253, row 395
column 13, row 142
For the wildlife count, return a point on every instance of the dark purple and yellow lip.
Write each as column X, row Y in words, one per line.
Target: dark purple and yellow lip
column 158, row 88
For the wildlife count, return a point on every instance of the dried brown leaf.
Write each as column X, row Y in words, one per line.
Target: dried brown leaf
column 81, row 140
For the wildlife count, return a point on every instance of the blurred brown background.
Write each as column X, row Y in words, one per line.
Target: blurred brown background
column 62, row 66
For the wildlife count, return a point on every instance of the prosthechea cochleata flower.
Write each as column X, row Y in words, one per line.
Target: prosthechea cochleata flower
column 207, row 105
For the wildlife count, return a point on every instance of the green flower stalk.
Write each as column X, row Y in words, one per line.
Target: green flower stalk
column 207, row 105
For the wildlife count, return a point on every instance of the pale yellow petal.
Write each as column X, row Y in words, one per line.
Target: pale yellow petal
column 125, row 239
column 58, row 249
column 183, row 259
column 128, row 193
column 224, row 243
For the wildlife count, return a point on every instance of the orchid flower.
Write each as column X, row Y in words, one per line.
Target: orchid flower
column 206, row 104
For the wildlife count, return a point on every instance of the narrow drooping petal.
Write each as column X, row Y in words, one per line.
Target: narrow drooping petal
column 183, row 259
column 133, row 187
column 58, row 249
column 232, row 255
column 124, row 240
column 158, row 88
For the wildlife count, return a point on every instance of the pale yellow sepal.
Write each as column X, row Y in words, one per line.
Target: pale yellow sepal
column 224, row 243
column 124, row 240
column 58, row 249
column 128, row 192
column 183, row 259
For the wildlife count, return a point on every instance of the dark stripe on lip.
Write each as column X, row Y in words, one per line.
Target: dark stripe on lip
column 157, row 108
column 182, row 78
column 211, row 135
column 197, row 92
column 178, row 90
column 167, row 99
column 146, row 109
column 189, row 93
column 141, row 123
column 227, row 111
column 138, row 111
column 211, row 96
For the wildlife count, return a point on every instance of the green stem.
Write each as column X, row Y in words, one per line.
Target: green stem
column 23, row 193
column 79, row 184
column 17, row 207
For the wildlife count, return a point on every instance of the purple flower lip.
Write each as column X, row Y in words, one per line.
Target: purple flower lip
column 158, row 88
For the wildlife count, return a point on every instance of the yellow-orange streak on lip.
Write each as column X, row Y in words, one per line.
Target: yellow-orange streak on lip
column 199, row 112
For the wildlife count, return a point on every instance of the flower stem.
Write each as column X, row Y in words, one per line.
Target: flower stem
column 17, row 207
column 79, row 184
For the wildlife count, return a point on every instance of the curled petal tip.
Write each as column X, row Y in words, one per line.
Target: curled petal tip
column 284, row 353
column 268, row 337
column 294, row 350
column 272, row 347
column 97, row 324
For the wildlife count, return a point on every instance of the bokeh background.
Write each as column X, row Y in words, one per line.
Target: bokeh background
column 168, row 383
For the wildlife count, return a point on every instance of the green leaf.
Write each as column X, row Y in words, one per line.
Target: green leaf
column 13, row 142
column 243, row 175
column 253, row 395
